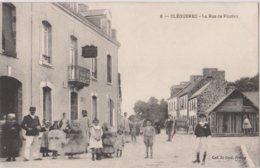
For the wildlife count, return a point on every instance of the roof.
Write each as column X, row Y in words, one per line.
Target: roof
column 189, row 88
column 197, row 93
column 218, row 103
column 97, row 12
column 86, row 22
column 253, row 96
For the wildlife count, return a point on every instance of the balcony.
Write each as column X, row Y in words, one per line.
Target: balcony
column 79, row 77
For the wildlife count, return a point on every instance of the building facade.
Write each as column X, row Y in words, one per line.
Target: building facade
column 199, row 94
column 226, row 115
column 58, row 57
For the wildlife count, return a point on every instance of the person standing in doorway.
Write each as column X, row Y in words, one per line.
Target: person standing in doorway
column 31, row 124
column 202, row 131
column 85, row 127
column 246, row 125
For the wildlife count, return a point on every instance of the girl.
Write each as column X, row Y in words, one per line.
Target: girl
column 54, row 138
column 119, row 143
column 95, row 142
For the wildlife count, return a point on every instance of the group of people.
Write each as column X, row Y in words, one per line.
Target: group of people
column 62, row 138
column 74, row 138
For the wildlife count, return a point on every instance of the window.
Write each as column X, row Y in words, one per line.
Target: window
column 111, row 112
column 74, row 106
column 109, row 69
column 94, row 67
column 94, row 107
column 73, row 50
column 46, row 42
column 9, row 30
column 47, row 112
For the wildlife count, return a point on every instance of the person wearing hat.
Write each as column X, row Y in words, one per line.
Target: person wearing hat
column 31, row 124
column 202, row 131
column 85, row 127
column 11, row 137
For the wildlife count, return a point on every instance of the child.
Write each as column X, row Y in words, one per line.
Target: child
column 44, row 143
column 149, row 133
column 119, row 144
column 202, row 131
column 95, row 142
column 11, row 137
column 133, row 131
column 54, row 138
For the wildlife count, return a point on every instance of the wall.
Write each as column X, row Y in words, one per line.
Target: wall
column 56, row 75
column 210, row 95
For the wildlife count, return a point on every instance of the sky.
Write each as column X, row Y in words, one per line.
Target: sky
column 156, row 53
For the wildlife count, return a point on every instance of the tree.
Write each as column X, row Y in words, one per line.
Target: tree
column 152, row 109
column 248, row 84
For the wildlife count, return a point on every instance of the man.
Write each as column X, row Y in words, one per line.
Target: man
column 31, row 124
column 169, row 127
column 85, row 127
column 125, row 125
column 202, row 131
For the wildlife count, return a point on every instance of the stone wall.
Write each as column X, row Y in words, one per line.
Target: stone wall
column 211, row 95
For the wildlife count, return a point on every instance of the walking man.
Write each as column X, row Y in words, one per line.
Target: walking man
column 169, row 127
column 202, row 131
column 31, row 124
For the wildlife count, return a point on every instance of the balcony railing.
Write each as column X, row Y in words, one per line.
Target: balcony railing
column 79, row 77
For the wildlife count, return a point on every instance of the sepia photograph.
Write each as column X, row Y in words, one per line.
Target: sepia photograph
column 129, row 84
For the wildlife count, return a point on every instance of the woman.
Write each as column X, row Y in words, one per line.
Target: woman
column 246, row 125
column 108, row 140
column 74, row 145
column 11, row 137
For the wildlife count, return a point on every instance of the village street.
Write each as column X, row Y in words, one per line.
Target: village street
column 178, row 153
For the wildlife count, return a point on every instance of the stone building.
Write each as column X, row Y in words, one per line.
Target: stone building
column 58, row 57
column 199, row 94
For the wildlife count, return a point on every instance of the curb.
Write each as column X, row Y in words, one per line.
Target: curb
column 249, row 161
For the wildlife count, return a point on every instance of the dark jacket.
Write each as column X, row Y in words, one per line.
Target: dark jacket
column 202, row 131
column 11, row 138
column 30, row 125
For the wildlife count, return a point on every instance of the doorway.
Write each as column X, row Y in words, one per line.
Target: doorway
column 10, row 97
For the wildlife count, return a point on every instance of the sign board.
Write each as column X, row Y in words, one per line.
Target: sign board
column 89, row 51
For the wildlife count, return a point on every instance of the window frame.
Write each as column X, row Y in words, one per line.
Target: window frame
column 46, row 46
column 13, row 23
column 109, row 69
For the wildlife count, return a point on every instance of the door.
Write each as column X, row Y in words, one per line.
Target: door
column 47, row 110
column 74, row 106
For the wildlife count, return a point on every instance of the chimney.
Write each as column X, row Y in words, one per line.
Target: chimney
column 114, row 33
column 82, row 7
column 195, row 78
column 208, row 72
column 219, row 75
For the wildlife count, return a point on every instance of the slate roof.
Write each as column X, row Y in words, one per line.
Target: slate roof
column 198, row 92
